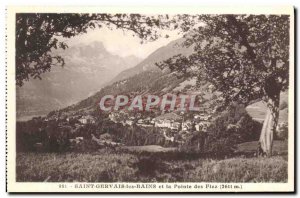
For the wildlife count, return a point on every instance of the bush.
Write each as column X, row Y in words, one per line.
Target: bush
column 248, row 129
column 282, row 131
column 231, row 127
column 220, row 147
column 147, row 165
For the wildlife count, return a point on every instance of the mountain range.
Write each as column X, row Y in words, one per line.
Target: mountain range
column 144, row 78
column 87, row 69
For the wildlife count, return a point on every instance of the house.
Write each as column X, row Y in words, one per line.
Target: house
column 202, row 109
column 163, row 123
column 145, row 125
column 82, row 120
column 183, row 134
column 76, row 125
column 210, row 88
column 168, row 120
column 202, row 126
column 111, row 116
column 202, row 116
column 77, row 140
column 123, row 123
column 129, row 122
column 196, row 116
column 115, row 117
column 187, row 125
column 198, row 127
column 175, row 125
column 87, row 119
column 140, row 121
column 168, row 138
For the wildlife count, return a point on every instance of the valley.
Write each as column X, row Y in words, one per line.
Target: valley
column 137, row 145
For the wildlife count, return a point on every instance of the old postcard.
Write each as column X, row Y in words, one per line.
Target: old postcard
column 150, row 99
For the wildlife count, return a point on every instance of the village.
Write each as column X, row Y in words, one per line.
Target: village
column 169, row 120
column 169, row 124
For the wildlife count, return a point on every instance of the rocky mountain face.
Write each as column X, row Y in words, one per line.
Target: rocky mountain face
column 87, row 69
column 148, row 64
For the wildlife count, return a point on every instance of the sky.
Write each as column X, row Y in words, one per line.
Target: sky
column 121, row 42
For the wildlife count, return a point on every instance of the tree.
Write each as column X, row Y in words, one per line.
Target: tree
column 245, row 57
column 37, row 35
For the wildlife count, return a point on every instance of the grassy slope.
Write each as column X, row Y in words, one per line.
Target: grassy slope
column 111, row 167
column 279, row 147
column 242, row 170
column 74, row 167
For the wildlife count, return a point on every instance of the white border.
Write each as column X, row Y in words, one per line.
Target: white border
column 53, row 187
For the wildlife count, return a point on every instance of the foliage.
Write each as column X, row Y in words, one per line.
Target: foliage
column 248, row 129
column 244, row 56
column 231, row 127
column 55, row 136
column 52, row 137
column 282, row 132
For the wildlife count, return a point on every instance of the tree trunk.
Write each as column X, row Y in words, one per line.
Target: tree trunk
column 269, row 127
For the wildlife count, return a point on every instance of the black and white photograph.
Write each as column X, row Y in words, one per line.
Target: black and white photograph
column 150, row 101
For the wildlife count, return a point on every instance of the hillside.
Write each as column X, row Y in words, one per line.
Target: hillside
column 87, row 69
column 146, row 78
column 163, row 53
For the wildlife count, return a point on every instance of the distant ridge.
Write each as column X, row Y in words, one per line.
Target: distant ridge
column 87, row 69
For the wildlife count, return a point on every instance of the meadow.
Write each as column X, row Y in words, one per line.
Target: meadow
column 107, row 165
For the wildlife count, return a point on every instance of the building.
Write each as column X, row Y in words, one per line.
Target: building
column 168, row 120
column 202, row 126
column 187, row 125
column 88, row 119
column 114, row 117
column 175, row 125
column 140, row 121
column 163, row 123
column 77, row 140
column 168, row 138
column 129, row 122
